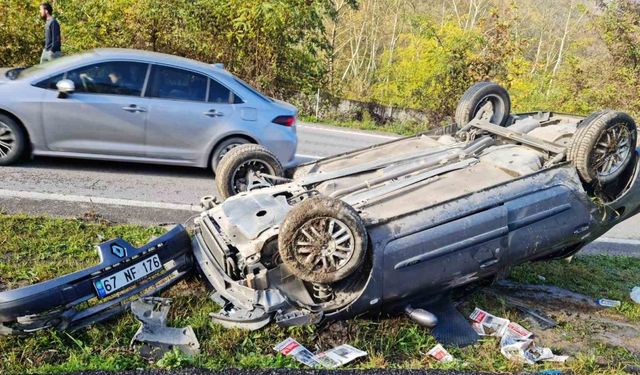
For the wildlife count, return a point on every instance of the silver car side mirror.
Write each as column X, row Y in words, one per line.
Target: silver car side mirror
column 65, row 88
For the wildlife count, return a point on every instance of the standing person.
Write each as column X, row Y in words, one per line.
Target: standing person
column 52, row 42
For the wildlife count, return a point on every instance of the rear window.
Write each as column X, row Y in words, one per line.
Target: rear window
column 248, row 87
column 222, row 95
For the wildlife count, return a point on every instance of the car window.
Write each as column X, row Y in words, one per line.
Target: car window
column 220, row 94
column 113, row 77
column 50, row 83
column 172, row 83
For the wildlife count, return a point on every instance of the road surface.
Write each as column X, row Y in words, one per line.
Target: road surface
column 148, row 194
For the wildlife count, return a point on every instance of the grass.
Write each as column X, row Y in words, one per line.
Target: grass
column 54, row 246
column 401, row 128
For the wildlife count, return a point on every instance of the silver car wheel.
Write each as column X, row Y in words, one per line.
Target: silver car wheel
column 324, row 244
column 7, row 140
column 246, row 177
column 611, row 150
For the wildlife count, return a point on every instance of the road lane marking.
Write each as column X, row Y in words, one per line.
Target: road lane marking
column 348, row 132
column 309, row 156
column 618, row 241
column 97, row 200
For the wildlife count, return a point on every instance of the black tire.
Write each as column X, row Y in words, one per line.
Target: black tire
column 347, row 231
column 13, row 141
column 242, row 159
column 223, row 148
column 603, row 146
column 476, row 96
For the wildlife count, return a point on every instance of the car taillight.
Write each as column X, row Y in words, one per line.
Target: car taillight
column 285, row 120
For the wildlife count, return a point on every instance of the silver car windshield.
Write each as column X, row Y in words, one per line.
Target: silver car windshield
column 47, row 65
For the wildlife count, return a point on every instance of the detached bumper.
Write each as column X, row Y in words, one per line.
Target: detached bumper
column 57, row 303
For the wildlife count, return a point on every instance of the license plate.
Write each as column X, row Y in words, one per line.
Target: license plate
column 127, row 276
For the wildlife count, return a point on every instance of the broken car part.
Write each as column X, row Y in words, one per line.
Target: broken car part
column 124, row 272
column 154, row 338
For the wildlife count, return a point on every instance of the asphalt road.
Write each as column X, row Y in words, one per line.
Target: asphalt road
column 149, row 194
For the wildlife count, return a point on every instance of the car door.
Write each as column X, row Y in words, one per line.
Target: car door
column 187, row 110
column 105, row 115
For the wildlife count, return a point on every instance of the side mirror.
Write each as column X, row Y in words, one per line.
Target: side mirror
column 65, row 88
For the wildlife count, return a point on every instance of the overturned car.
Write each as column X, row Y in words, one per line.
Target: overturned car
column 391, row 228
column 402, row 223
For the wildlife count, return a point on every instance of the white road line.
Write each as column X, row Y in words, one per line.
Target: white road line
column 309, row 156
column 348, row 132
column 97, row 200
column 619, row 241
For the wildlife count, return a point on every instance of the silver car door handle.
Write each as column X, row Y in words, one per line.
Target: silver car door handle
column 134, row 108
column 213, row 113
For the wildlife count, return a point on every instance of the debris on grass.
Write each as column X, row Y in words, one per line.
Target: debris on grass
column 635, row 294
column 607, row 302
column 440, row 354
column 332, row 358
column 153, row 339
column 516, row 342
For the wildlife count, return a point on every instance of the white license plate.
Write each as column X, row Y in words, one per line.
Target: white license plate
column 127, row 276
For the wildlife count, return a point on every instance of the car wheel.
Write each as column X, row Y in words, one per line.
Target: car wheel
column 322, row 240
column 223, row 148
column 13, row 141
column 239, row 170
column 603, row 146
column 477, row 96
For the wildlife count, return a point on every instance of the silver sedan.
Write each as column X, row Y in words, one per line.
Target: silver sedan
column 137, row 106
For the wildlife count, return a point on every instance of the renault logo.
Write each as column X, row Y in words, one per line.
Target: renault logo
column 118, row 251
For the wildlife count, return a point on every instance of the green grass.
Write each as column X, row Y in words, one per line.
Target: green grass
column 401, row 128
column 33, row 249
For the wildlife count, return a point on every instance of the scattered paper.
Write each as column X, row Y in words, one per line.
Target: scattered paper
column 332, row 358
column 486, row 324
column 516, row 342
column 339, row 356
column 635, row 294
column 440, row 354
column 300, row 353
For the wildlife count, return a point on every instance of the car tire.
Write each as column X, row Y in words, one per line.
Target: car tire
column 223, row 148
column 13, row 141
column 312, row 235
column 479, row 94
column 238, row 162
column 603, row 146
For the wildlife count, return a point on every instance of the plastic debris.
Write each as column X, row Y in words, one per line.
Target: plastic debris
column 154, row 338
column 550, row 372
column 440, row 354
column 516, row 342
column 635, row 294
column 608, row 302
column 332, row 358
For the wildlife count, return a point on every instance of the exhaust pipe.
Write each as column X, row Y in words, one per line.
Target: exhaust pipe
column 421, row 316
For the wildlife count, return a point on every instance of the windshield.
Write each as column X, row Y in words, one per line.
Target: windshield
column 25, row 73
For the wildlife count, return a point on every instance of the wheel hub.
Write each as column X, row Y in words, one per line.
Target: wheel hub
column 324, row 245
column 248, row 177
column 7, row 140
column 611, row 150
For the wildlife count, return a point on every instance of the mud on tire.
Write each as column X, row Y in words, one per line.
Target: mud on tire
column 323, row 240
column 236, row 170
column 477, row 96
column 603, row 146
